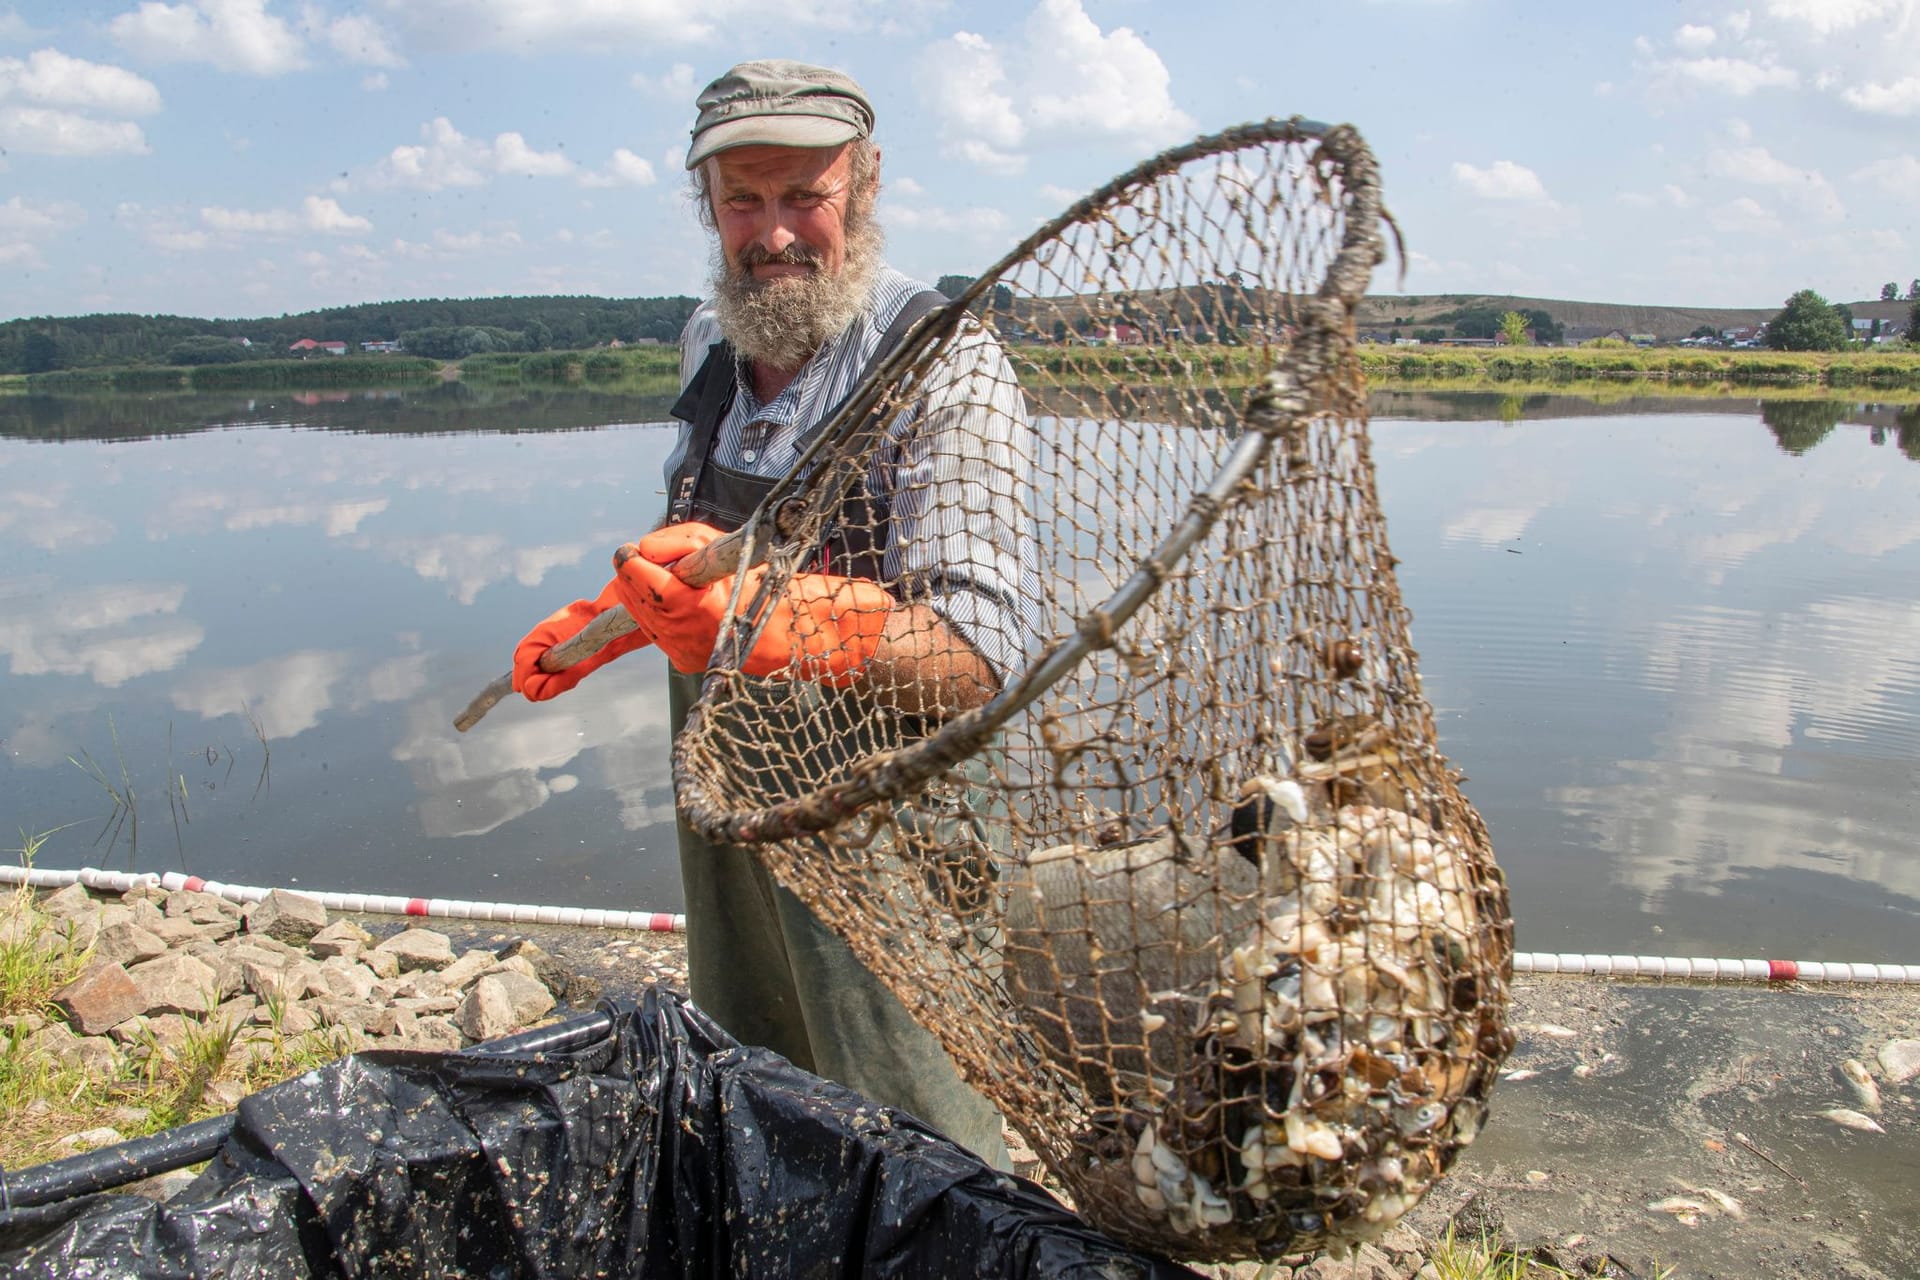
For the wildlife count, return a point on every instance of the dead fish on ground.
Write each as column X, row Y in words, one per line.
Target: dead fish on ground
column 1865, row 1091
column 1684, row 1208
column 1900, row 1059
column 1851, row 1119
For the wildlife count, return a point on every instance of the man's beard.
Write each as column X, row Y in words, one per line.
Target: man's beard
column 782, row 321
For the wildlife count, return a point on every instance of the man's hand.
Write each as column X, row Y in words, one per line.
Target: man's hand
column 824, row 627
column 558, row 628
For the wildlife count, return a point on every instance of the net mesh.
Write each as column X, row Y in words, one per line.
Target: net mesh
column 1195, row 899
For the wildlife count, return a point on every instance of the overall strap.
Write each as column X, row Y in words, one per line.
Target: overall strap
column 703, row 405
column 709, row 395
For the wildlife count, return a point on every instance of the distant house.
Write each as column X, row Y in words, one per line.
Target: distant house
column 1118, row 334
column 304, row 347
column 381, row 346
column 334, row 348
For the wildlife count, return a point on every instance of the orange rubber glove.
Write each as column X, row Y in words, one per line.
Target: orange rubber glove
column 825, row 628
column 558, row 628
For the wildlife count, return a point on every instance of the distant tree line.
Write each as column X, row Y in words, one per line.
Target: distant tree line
column 444, row 328
column 1486, row 322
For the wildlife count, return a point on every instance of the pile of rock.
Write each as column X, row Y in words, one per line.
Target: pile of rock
column 159, row 963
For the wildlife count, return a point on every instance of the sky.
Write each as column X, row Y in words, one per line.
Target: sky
column 237, row 158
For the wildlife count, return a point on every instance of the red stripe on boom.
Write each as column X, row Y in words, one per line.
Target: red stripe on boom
column 1782, row 970
column 416, row 906
column 195, row 884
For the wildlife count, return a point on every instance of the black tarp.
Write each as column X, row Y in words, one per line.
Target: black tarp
column 663, row 1149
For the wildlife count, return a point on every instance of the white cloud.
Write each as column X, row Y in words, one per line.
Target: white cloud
column 1113, row 83
column 625, row 169
column 1826, row 17
column 374, row 82
column 445, row 244
column 1502, row 180
column 16, row 28
column 110, row 634
column 1668, row 196
column 978, row 221
column 286, row 696
column 21, row 218
column 676, row 85
column 1901, row 98
column 1743, row 214
column 316, row 213
column 1899, row 175
column 1759, row 167
column 1065, row 78
column 355, row 37
column 448, row 158
column 1736, row 76
column 598, row 26
column 234, row 35
column 50, row 78
column 46, row 132
column 1692, row 39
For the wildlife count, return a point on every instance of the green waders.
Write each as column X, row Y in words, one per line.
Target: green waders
column 769, row 972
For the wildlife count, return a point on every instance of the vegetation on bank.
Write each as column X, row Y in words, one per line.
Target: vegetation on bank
column 340, row 371
column 438, row 328
column 1542, row 365
column 641, row 369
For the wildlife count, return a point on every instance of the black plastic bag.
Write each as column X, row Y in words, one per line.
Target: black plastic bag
column 663, row 1149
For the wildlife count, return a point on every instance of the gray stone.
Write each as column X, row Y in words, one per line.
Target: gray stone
column 162, row 1186
column 127, row 943
column 419, row 949
column 90, row 1139
column 502, row 1003
column 178, row 931
column 428, row 1004
column 342, row 937
column 340, row 976
column 149, row 893
column 113, row 913
column 20, row 926
column 175, row 984
column 384, row 964
column 146, row 913
column 280, row 980
column 424, row 983
column 517, row 964
column 290, row 917
column 79, row 930
column 25, row 1024
column 295, row 1019
column 96, row 1056
column 553, row 974
column 102, row 997
column 225, row 1094
column 70, row 900
column 432, row 1033
column 462, row 972
column 230, row 971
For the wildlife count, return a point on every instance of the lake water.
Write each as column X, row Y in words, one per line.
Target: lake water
column 1674, row 645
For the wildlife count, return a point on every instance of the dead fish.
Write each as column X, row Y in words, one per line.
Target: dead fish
column 1865, row 1091
column 1552, row 1030
column 1684, row 1208
column 1900, row 1059
column 1524, row 1073
column 1851, row 1119
column 1724, row 1202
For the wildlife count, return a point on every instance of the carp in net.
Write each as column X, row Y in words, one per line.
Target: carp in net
column 1182, row 882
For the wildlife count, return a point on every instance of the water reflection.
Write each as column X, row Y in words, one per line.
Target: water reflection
column 1674, row 644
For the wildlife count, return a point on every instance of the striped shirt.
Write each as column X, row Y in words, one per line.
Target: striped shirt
column 956, row 467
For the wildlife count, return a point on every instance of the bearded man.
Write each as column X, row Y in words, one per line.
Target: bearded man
column 919, row 603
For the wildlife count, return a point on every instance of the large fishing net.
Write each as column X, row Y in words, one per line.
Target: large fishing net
column 1193, row 898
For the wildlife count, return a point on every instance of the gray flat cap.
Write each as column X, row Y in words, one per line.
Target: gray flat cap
column 779, row 103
